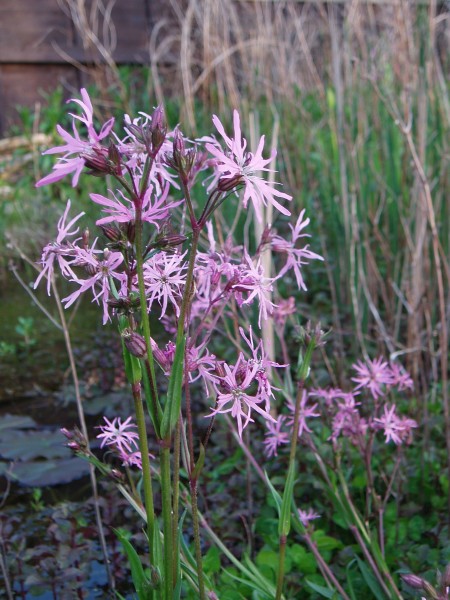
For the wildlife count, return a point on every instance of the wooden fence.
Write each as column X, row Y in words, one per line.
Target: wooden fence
column 43, row 42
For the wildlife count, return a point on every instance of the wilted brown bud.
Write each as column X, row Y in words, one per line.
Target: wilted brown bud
column 134, row 343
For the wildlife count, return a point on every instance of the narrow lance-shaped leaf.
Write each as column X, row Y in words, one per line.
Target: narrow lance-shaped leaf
column 173, row 403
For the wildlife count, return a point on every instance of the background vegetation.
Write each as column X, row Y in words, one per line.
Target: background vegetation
column 357, row 101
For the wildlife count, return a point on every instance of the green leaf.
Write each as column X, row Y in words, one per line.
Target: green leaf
column 370, row 580
column 325, row 542
column 275, row 495
column 211, row 561
column 284, row 525
column 140, row 582
column 173, row 402
column 132, row 365
column 155, row 416
column 304, row 560
column 323, row 591
column 199, row 464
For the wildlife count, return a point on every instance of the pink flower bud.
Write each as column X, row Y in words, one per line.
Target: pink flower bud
column 134, row 343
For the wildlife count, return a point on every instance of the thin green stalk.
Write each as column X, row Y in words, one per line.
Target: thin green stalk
column 146, row 473
column 176, row 490
column 302, row 374
column 166, row 493
column 281, row 561
column 143, row 301
column 198, row 549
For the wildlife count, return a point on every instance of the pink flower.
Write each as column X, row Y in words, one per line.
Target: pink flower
column 373, row 374
column 121, row 213
column 275, row 437
column 235, row 395
column 165, row 276
column 76, row 146
column 99, row 282
column 395, row 428
column 296, row 257
column 306, row 412
column 306, row 516
column 264, row 364
column 284, row 308
column 328, row 395
column 116, row 433
column 400, row 378
column 59, row 250
column 347, row 420
column 252, row 280
column 237, row 163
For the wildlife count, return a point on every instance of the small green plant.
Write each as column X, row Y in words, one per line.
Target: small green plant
column 25, row 328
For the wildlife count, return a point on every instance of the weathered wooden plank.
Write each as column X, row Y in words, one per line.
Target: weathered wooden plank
column 33, row 31
column 23, row 85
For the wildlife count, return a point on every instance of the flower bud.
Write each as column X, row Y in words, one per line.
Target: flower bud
column 117, row 475
column 430, row 591
column 158, row 129
column 134, row 342
column 67, row 433
column 226, row 184
column 111, row 232
column 413, row 580
column 85, row 238
column 155, row 577
column 113, row 154
column 130, row 231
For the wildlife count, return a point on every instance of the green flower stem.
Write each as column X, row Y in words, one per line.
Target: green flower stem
column 143, row 302
column 176, row 489
column 281, row 562
column 302, row 374
column 146, row 474
column 166, row 493
column 198, row 549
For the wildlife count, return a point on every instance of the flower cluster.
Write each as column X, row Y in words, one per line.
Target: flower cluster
column 146, row 221
column 122, row 438
column 349, row 414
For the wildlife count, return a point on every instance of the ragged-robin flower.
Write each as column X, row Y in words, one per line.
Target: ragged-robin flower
column 121, row 435
column 238, row 164
column 295, row 257
column 155, row 207
column 395, row 428
column 373, row 375
column 99, row 282
column 275, row 436
column 165, row 277
column 59, row 250
column 237, row 393
column 306, row 412
column 76, row 150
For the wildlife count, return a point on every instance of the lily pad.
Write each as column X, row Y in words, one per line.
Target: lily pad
column 20, row 445
column 48, row 472
column 16, row 422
